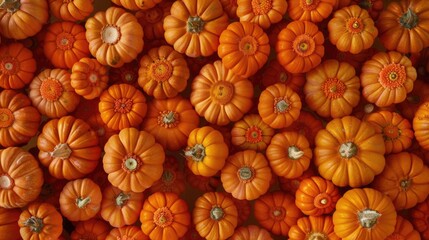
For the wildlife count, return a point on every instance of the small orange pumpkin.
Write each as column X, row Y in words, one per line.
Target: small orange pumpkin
column 152, row 20
column 421, row 125
column 73, row 11
column 251, row 232
column 251, row 133
column 264, row 13
column 404, row 230
column 9, row 223
column 419, row 216
column 310, row 10
column 93, row 228
column 17, row 65
column 127, row 232
column 313, row 227
column 88, row 77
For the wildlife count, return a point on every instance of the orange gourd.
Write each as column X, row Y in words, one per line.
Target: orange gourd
column 122, row 106
column 387, row 78
column 244, row 48
column 403, row 180
column 17, row 65
column 68, row 147
column 332, row 89
column 206, row 151
column 163, row 72
column 397, row 131
column 52, row 94
column 300, row 46
column 127, row 232
column 115, row 37
column 93, row 228
column 19, row 120
column 279, row 106
column 165, row 216
column 364, row 213
column 17, row 15
column 351, row 29
column 251, row 133
column 316, row 196
column 289, row 154
column 349, row 152
column 313, row 227
column 21, row 178
column 133, row 160
column 65, row 43
column 276, row 211
column 194, row 26
column 311, row 10
column 264, row 13
column 120, row 208
column 40, row 221
column 214, row 215
column 73, row 10
column 219, row 95
column 80, row 199
column 246, row 175
column 89, row 78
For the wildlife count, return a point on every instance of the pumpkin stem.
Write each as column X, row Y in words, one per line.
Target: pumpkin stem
column 348, row 150
column 34, row 223
column 197, row 152
column 409, row 19
column 365, row 4
column 246, row 173
column 278, row 213
column 131, row 163
column 253, row 134
column 317, row 236
column 51, row 89
column 62, row 151
column 368, row 218
column 11, row 6
column 405, row 184
column 368, row 108
column 163, row 217
column 110, row 34
column 161, row 70
column 6, row 118
column 121, row 199
column 6, row 182
column 195, row 24
column 168, row 176
column 216, row 213
column 414, row 99
column 322, row 200
column 281, row 106
column 82, row 202
column 168, row 119
column 222, row 92
column 294, row 152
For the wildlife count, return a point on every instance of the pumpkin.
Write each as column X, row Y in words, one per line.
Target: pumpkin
column 279, row 106
column 251, row 133
column 9, row 224
column 152, row 20
column 332, row 89
column 291, row 185
column 219, row 95
column 40, row 221
column 289, row 154
column 115, row 37
column 163, row 72
column 264, row 13
column 51, row 93
column 397, row 131
column 120, row 208
column 374, row 7
column 21, row 178
column 147, row 4
column 402, row 26
column 17, row 65
column 128, row 73
column 133, row 160
column 214, row 215
column 349, row 152
column 244, row 48
column 310, row 10
column 68, row 147
column 201, row 183
column 316, row 196
column 230, row 7
column 299, row 47
column 80, row 199
column 307, row 124
column 194, row 26
column 172, row 179
column 65, row 44
column 403, row 230
column 94, row 228
column 351, row 29
column 276, row 211
column 421, row 125
column 127, row 4
column 403, row 180
column 251, row 232
column 274, row 72
column 122, row 106
column 313, row 227
column 88, row 77
column 419, row 218
column 165, row 216
column 387, row 78
column 246, row 175
column 126, row 232
column 206, row 151
column 73, row 11
column 19, row 120
column 17, row 15
column 364, row 213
